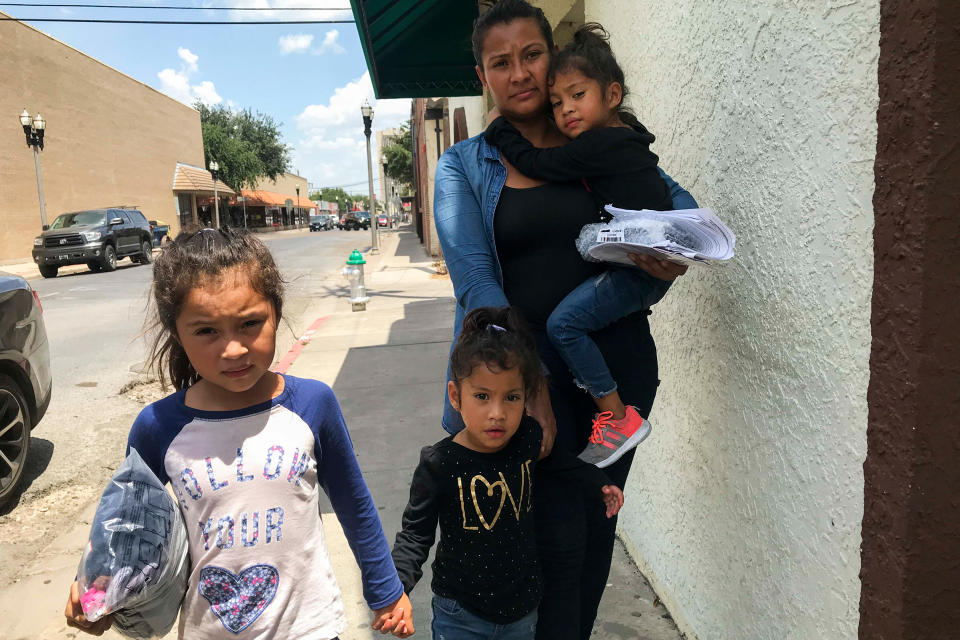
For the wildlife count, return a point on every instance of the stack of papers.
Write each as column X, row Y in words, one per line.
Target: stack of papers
column 685, row 236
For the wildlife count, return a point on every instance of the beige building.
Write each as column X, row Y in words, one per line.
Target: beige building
column 110, row 140
column 278, row 204
column 389, row 194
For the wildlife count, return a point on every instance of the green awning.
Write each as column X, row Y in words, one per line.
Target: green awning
column 418, row 48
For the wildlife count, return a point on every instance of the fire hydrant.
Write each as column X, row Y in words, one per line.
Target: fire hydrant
column 354, row 274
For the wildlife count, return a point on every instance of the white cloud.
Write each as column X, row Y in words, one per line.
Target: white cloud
column 188, row 57
column 295, row 43
column 267, row 14
column 175, row 84
column 331, row 149
column 179, row 85
column 206, row 93
column 330, row 43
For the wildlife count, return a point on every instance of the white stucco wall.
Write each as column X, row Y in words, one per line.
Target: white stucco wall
column 744, row 507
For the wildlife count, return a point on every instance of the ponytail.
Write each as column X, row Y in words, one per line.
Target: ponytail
column 590, row 53
column 498, row 338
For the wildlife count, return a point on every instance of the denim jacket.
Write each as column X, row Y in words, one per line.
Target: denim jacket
column 470, row 176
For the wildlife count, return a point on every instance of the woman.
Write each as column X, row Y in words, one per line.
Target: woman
column 509, row 240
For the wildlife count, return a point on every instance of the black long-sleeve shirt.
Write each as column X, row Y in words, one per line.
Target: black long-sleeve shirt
column 487, row 556
column 616, row 163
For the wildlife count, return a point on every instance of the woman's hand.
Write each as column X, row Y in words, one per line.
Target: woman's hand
column 662, row 269
column 75, row 617
column 612, row 498
column 541, row 410
column 396, row 618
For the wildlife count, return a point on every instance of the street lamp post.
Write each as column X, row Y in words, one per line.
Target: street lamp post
column 34, row 128
column 214, row 168
column 367, row 111
column 299, row 220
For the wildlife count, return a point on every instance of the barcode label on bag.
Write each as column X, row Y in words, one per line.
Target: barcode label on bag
column 610, row 235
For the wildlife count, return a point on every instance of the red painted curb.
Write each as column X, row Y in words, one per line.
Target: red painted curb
column 297, row 347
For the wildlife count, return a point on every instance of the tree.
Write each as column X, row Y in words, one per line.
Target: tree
column 398, row 158
column 247, row 146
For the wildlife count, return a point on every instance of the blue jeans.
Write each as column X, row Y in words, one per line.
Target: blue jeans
column 595, row 304
column 453, row 622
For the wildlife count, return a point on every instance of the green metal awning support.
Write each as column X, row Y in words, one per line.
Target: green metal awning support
column 418, row 48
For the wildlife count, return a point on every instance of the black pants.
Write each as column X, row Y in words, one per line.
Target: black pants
column 574, row 537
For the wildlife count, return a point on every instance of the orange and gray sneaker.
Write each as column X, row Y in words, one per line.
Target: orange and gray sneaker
column 613, row 438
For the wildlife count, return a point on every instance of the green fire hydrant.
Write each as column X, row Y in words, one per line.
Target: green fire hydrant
column 354, row 274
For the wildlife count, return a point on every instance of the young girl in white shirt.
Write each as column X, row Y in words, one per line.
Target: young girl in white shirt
column 246, row 450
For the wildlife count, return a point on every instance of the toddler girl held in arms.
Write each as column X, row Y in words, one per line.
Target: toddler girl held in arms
column 610, row 151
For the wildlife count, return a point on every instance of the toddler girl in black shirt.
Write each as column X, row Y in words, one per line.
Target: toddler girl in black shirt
column 477, row 484
column 610, row 151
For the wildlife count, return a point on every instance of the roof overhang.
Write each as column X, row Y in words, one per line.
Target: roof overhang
column 418, row 48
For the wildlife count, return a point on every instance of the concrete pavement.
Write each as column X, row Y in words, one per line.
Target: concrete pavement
column 387, row 367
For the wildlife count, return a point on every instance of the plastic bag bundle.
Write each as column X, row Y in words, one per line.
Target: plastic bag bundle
column 686, row 236
column 136, row 565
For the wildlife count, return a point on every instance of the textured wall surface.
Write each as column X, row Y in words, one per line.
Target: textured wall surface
column 110, row 140
column 744, row 507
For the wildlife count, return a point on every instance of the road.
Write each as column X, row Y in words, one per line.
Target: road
column 95, row 324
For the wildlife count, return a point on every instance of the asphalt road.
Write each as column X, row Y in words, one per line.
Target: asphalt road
column 95, row 324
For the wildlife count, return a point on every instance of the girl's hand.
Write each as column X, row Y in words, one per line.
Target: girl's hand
column 613, row 498
column 396, row 618
column 75, row 617
column 662, row 269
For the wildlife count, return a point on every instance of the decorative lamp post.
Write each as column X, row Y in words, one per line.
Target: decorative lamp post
column 367, row 111
column 34, row 128
column 214, row 168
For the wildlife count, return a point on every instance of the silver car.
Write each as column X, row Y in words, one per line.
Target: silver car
column 25, row 380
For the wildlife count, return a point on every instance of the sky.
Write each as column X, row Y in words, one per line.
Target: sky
column 312, row 79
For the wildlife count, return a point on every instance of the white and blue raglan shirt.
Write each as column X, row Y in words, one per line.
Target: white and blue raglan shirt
column 247, row 482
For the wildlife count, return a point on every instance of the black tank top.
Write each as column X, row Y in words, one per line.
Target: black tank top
column 535, row 230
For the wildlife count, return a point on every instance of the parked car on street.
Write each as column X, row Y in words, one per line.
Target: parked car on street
column 382, row 221
column 356, row 220
column 98, row 237
column 25, row 379
column 321, row 222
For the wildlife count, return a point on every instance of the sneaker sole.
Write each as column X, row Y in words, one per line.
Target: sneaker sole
column 639, row 436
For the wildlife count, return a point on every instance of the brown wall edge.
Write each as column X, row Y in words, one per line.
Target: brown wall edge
column 910, row 569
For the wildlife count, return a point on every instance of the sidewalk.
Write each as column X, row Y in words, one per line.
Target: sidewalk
column 387, row 366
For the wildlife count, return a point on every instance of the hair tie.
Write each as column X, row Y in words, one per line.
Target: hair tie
column 497, row 327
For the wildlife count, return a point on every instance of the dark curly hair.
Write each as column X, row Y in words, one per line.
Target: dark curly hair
column 498, row 338
column 505, row 12
column 589, row 53
column 197, row 255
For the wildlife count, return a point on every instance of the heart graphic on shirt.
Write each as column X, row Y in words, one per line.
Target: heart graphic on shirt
column 476, row 503
column 239, row 599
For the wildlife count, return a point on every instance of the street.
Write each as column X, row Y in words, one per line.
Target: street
column 94, row 323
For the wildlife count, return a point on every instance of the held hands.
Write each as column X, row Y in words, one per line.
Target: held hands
column 612, row 498
column 396, row 618
column 662, row 269
column 75, row 617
